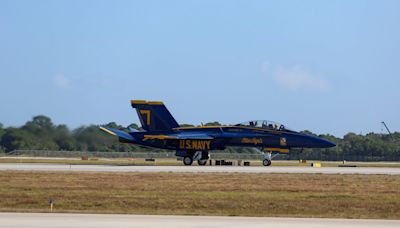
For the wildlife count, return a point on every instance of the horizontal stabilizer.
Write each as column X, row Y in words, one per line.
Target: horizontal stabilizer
column 119, row 133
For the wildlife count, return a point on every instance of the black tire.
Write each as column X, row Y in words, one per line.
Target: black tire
column 266, row 162
column 187, row 160
column 202, row 162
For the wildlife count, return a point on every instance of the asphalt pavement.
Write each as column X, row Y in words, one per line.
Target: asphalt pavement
column 200, row 169
column 56, row 220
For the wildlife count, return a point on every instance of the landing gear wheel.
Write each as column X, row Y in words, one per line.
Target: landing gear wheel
column 266, row 162
column 187, row 160
column 202, row 162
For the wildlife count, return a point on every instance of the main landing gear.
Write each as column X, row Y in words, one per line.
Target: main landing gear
column 267, row 159
column 188, row 157
column 188, row 160
column 202, row 162
column 266, row 162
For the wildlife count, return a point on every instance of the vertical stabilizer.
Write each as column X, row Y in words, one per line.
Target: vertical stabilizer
column 154, row 116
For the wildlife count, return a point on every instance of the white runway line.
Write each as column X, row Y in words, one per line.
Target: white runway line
column 200, row 169
column 55, row 220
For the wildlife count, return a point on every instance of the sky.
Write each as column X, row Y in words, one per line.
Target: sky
column 325, row 66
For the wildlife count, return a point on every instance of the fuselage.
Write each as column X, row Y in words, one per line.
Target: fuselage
column 225, row 136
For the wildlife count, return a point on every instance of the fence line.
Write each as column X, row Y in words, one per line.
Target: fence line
column 214, row 155
column 70, row 154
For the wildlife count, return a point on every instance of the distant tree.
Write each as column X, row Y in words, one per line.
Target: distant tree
column 215, row 123
column 133, row 126
column 186, row 125
column 113, row 125
column 40, row 122
column 42, row 131
column 41, row 134
column 64, row 139
column 90, row 138
column 308, row 132
column 15, row 139
column 1, row 130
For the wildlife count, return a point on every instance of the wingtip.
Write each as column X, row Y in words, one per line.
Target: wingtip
column 108, row 131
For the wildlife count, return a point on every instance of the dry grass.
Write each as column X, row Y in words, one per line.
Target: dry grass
column 93, row 161
column 295, row 195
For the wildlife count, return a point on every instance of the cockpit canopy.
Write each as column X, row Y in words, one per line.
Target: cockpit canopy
column 264, row 124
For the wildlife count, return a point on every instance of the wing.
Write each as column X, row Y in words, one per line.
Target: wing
column 182, row 135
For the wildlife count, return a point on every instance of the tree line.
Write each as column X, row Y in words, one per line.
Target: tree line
column 41, row 133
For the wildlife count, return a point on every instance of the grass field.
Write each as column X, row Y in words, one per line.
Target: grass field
column 294, row 195
column 174, row 161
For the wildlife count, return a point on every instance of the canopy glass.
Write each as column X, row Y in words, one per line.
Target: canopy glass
column 264, row 124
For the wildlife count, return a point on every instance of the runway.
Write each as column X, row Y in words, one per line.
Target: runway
column 200, row 169
column 55, row 220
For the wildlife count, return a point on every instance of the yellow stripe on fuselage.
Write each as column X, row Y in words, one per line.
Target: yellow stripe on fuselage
column 183, row 128
column 243, row 127
column 277, row 150
column 161, row 137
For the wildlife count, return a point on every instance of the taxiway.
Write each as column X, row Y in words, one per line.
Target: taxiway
column 56, row 220
column 200, row 169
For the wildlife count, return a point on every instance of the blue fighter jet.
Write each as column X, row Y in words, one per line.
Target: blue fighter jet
column 160, row 130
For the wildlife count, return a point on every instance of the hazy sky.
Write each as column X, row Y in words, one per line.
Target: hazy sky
column 327, row 66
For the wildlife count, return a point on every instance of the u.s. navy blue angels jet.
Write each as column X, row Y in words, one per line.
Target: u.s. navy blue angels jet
column 160, row 130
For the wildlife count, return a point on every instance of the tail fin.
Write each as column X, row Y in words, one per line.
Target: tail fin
column 154, row 116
